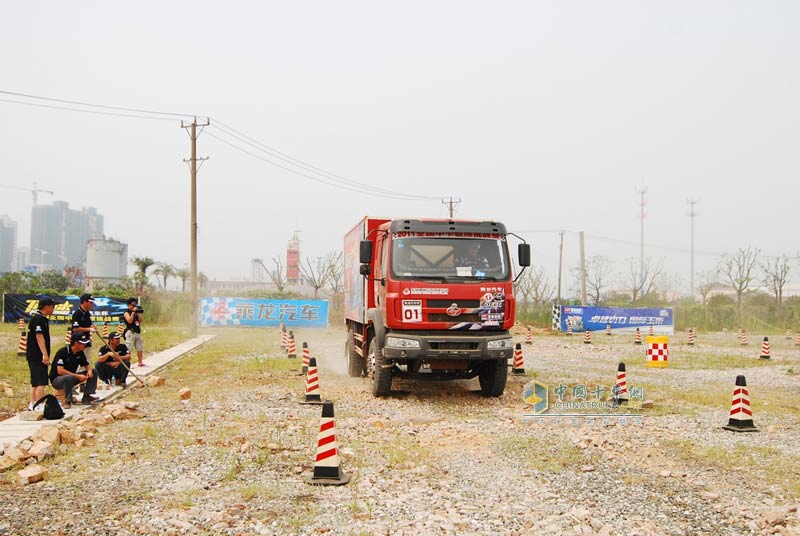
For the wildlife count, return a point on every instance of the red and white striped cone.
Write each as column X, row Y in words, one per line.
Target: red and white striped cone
column 120, row 328
column 569, row 328
column 291, row 347
column 741, row 416
column 690, row 342
column 621, row 386
column 637, row 337
column 21, row 324
column 657, row 352
column 284, row 338
column 105, row 330
column 788, row 334
column 529, row 336
column 797, row 339
column 518, row 365
column 765, row 349
column 608, row 329
column 22, row 349
column 517, row 328
column 327, row 464
column 312, row 383
column 744, row 340
column 306, row 357
column 68, row 337
column 652, row 330
column 587, row 337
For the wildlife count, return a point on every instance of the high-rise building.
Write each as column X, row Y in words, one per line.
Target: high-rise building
column 21, row 257
column 8, row 243
column 59, row 234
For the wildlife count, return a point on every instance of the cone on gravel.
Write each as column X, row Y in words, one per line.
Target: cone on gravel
column 788, row 334
column 312, row 383
column 690, row 342
column 743, row 339
column 21, row 324
column 68, row 337
column 284, row 337
column 291, row 347
column 621, row 386
column 105, row 331
column 517, row 328
column 306, row 357
column 327, row 464
column 528, row 336
column 518, row 365
column 608, row 329
column 765, row 349
column 637, row 337
column 657, row 352
column 797, row 339
column 569, row 327
column 652, row 330
column 741, row 416
column 587, row 337
column 23, row 344
column 120, row 328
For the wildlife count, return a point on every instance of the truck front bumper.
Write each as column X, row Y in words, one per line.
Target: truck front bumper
column 430, row 346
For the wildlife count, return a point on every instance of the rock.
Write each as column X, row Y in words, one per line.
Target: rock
column 31, row 416
column 80, row 443
column 245, row 447
column 774, row 518
column 49, row 433
column 41, row 450
column 346, row 452
column 15, row 454
column 120, row 412
column 32, row 473
column 185, row 393
column 9, row 393
column 664, row 474
column 647, row 404
column 156, row 381
column 7, row 463
column 587, row 468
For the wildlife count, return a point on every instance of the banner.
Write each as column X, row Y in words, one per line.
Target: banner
column 16, row 306
column 258, row 312
column 622, row 320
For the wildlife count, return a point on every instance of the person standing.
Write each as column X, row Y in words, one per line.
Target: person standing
column 37, row 351
column 82, row 318
column 64, row 370
column 109, row 365
column 133, row 329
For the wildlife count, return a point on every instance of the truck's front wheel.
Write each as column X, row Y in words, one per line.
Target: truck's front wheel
column 493, row 376
column 380, row 373
column 355, row 363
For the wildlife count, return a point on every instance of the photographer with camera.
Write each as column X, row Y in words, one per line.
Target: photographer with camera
column 133, row 329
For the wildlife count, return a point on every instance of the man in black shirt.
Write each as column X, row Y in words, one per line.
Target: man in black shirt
column 64, row 370
column 37, row 350
column 82, row 318
column 133, row 329
column 108, row 366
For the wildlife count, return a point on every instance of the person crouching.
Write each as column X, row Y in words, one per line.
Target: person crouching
column 108, row 364
column 64, row 370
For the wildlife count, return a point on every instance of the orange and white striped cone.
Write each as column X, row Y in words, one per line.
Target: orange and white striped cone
column 22, row 349
column 68, row 337
column 652, row 330
column 284, row 338
column 21, row 324
column 529, row 336
column 657, row 352
column 105, row 330
column 312, row 383
column 517, row 328
column 291, row 347
column 621, row 386
column 637, row 337
column 741, row 416
column 327, row 464
column 788, row 334
column 608, row 329
column 690, row 342
column 306, row 357
column 765, row 349
column 569, row 328
column 797, row 339
column 744, row 340
column 120, row 328
column 518, row 364
column 587, row 337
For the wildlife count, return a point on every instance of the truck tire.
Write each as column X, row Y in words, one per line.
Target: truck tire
column 493, row 376
column 381, row 376
column 356, row 366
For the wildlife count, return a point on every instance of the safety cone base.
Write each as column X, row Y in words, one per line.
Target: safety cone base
column 341, row 480
column 764, row 357
column 313, row 400
column 657, row 364
column 518, row 371
column 745, row 428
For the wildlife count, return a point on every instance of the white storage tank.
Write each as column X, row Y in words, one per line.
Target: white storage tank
column 106, row 260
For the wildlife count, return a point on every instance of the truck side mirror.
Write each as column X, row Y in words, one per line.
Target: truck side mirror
column 524, row 253
column 364, row 269
column 365, row 252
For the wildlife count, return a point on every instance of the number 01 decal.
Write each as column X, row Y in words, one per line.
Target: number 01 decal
column 412, row 310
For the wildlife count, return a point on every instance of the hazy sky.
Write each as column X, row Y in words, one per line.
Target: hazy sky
column 544, row 115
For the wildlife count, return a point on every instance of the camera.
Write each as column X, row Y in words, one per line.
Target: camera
column 139, row 309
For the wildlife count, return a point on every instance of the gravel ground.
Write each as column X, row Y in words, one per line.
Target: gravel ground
column 435, row 458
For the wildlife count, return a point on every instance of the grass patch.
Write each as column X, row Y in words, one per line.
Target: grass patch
column 550, row 455
column 716, row 361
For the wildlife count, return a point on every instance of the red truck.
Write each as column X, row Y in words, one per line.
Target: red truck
column 429, row 299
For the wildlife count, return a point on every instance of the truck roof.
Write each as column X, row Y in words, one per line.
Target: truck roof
column 447, row 226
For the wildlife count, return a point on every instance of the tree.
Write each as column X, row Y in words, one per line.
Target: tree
column 318, row 277
column 706, row 282
column 598, row 273
column 640, row 285
column 776, row 276
column 202, row 279
column 165, row 271
column 739, row 272
column 76, row 275
column 670, row 286
column 277, row 276
column 53, row 281
column 334, row 263
column 142, row 264
column 183, row 274
column 534, row 288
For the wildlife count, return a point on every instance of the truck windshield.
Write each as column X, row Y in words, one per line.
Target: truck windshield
column 449, row 257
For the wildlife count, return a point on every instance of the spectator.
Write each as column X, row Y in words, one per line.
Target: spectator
column 82, row 319
column 108, row 366
column 64, row 370
column 133, row 329
column 37, row 351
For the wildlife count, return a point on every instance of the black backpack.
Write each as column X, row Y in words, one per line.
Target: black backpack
column 52, row 409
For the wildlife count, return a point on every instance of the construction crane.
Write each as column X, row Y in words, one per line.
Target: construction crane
column 35, row 190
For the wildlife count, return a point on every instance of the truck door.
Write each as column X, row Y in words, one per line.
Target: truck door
column 381, row 269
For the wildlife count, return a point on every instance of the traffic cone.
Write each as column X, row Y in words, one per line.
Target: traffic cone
column 21, row 324
column 743, row 340
column 765, row 349
column 569, row 328
column 797, row 339
column 120, row 328
column 105, row 330
column 652, row 330
column 637, row 337
column 691, row 337
column 68, row 337
column 291, row 347
column 327, row 465
column 284, row 337
column 528, row 336
column 306, row 357
column 608, row 329
column 741, row 417
column 657, row 352
column 621, row 386
column 518, row 366
column 788, row 334
column 23, row 344
column 587, row 337
column 517, row 328
column 312, row 383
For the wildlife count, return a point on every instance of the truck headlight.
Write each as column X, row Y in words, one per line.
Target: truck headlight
column 397, row 342
column 500, row 344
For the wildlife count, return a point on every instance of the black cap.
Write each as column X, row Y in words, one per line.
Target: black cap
column 114, row 335
column 44, row 302
column 87, row 297
column 82, row 338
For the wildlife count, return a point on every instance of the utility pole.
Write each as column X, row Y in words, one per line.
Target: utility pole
column 583, row 271
column 692, row 214
column 191, row 128
column 451, row 205
column 560, row 263
column 642, row 203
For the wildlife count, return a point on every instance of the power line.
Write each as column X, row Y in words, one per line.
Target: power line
column 96, row 112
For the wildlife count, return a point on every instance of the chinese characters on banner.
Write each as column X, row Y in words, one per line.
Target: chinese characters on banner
column 261, row 312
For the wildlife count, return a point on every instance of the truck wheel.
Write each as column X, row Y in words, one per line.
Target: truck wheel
column 493, row 376
column 381, row 377
column 355, row 363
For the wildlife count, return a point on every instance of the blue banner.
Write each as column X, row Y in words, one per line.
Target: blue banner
column 16, row 306
column 622, row 320
column 258, row 312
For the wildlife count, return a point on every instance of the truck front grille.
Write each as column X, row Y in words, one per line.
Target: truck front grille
column 450, row 345
column 444, row 304
column 440, row 317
